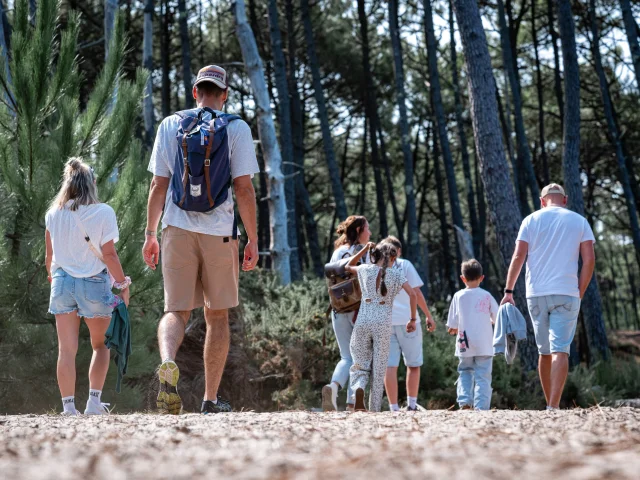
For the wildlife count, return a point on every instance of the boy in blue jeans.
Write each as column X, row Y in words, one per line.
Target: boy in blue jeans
column 471, row 316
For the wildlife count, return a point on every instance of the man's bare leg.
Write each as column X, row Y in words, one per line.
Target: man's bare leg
column 170, row 336
column 216, row 348
column 544, row 371
column 559, row 371
column 391, row 385
column 413, row 381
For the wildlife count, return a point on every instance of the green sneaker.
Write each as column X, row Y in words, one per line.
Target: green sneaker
column 168, row 399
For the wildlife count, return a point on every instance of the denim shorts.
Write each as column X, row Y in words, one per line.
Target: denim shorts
column 90, row 297
column 409, row 344
column 555, row 318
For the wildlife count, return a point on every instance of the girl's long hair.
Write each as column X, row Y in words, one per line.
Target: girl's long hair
column 384, row 251
column 78, row 184
column 349, row 230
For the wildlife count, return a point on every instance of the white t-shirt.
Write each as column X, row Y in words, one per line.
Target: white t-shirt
column 554, row 235
column 70, row 250
column 472, row 312
column 346, row 251
column 402, row 304
column 243, row 161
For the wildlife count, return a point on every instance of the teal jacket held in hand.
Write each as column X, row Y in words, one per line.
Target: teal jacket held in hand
column 118, row 339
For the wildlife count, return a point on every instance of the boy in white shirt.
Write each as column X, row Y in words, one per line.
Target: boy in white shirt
column 471, row 316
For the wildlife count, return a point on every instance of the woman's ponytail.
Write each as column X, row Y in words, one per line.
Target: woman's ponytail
column 384, row 251
column 78, row 184
column 350, row 230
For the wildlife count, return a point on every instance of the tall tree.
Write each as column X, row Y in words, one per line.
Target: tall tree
column 297, row 130
column 165, row 42
column 185, row 42
column 371, row 111
column 269, row 144
column 557, row 78
column 540, row 94
column 147, row 63
column 524, row 152
column 466, row 168
column 327, row 140
column 592, row 303
column 441, row 124
column 5, row 77
column 631, row 27
column 110, row 12
column 414, row 251
column 494, row 169
column 614, row 134
column 286, row 140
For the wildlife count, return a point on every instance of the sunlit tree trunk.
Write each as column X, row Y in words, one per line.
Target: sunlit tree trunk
column 185, row 42
column 147, row 63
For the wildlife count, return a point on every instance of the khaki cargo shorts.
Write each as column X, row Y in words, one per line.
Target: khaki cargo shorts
column 198, row 270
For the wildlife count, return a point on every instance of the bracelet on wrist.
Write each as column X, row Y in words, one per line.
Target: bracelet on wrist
column 150, row 233
column 123, row 284
column 506, row 290
column 412, row 319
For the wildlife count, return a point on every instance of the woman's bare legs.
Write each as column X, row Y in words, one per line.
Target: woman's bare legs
column 100, row 360
column 68, row 327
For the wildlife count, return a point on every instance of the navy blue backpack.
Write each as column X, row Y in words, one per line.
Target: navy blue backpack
column 202, row 172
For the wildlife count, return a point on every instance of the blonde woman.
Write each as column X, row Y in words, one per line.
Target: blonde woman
column 80, row 254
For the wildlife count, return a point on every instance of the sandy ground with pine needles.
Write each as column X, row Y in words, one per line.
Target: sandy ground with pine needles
column 580, row 444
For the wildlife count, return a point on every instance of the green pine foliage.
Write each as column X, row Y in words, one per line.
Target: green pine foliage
column 42, row 124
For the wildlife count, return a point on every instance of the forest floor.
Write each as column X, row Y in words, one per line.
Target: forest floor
column 585, row 444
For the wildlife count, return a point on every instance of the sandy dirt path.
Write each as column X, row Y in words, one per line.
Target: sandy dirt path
column 580, row 444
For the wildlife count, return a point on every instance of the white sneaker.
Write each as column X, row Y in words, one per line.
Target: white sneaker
column 70, row 413
column 330, row 398
column 94, row 408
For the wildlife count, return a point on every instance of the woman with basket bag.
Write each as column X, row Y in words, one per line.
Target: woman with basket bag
column 354, row 234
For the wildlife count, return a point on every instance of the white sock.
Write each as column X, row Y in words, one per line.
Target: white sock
column 412, row 401
column 215, row 400
column 69, row 404
column 94, row 396
column 393, row 407
column 552, row 408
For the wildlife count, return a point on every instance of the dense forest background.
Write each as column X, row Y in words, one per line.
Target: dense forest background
column 382, row 108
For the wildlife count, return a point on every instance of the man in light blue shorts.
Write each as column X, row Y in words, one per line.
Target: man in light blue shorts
column 407, row 344
column 552, row 240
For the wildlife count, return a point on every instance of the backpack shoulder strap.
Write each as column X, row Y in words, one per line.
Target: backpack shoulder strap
column 191, row 113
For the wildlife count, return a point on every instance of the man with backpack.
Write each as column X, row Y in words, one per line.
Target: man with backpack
column 197, row 157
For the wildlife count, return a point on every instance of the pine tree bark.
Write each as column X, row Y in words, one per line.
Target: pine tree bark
column 494, row 169
column 147, row 63
column 267, row 133
column 557, row 78
column 165, row 41
column 110, row 12
column 187, row 77
column 540, row 94
column 413, row 249
column 286, row 140
column 591, row 302
column 524, row 152
column 329, row 152
column 441, row 124
column 391, row 192
column 466, row 167
column 4, row 49
column 297, row 130
column 631, row 27
column 371, row 111
column 614, row 134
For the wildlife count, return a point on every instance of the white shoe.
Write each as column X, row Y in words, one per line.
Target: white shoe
column 94, row 408
column 330, row 398
column 70, row 413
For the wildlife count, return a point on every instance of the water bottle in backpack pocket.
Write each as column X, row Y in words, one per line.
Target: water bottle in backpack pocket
column 202, row 173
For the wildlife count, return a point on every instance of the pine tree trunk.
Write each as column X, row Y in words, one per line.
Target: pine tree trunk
column 524, row 152
column 147, row 63
column 371, row 111
column 165, row 41
column 540, row 93
column 4, row 48
column 591, row 302
column 631, row 27
column 494, row 169
column 110, row 12
column 557, row 78
column 286, row 140
column 614, row 134
column 632, row 287
column 391, row 192
column 441, row 124
column 466, row 167
column 297, row 130
column 413, row 249
column 271, row 150
column 187, row 78
column 334, row 173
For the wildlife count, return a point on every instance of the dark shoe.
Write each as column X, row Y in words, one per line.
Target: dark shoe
column 466, row 407
column 359, row 405
column 222, row 406
column 414, row 409
column 168, row 399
